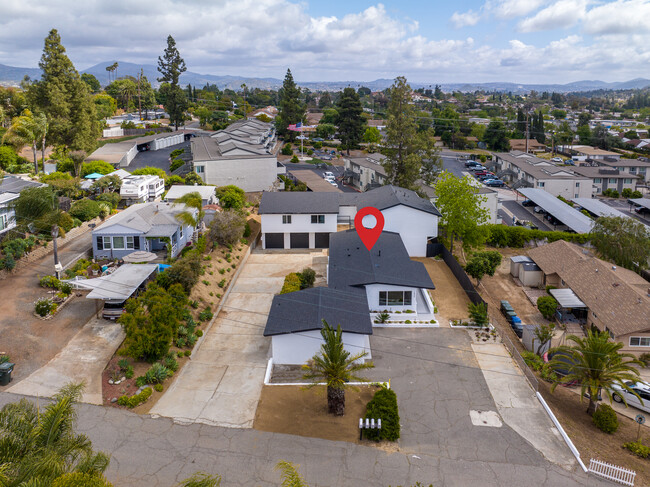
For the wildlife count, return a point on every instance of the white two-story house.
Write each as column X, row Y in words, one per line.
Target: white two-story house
column 307, row 219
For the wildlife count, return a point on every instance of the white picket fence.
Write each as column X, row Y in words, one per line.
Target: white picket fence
column 612, row 472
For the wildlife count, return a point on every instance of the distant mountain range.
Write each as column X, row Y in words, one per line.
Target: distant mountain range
column 11, row 75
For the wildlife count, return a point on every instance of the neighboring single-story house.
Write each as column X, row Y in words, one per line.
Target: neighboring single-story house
column 610, row 298
column 307, row 219
column 586, row 152
column 208, row 196
column 533, row 145
column 10, row 188
column 361, row 285
column 145, row 226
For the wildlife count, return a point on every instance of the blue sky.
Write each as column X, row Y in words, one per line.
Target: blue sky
column 525, row 41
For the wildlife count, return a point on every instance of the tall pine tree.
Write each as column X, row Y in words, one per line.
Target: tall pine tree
column 64, row 98
column 350, row 122
column 171, row 66
column 292, row 110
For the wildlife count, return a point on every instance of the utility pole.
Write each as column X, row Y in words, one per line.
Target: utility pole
column 57, row 266
column 526, row 133
column 139, row 99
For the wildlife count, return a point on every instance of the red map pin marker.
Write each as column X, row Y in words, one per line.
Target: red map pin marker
column 369, row 236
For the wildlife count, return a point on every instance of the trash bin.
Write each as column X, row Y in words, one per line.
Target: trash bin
column 5, row 373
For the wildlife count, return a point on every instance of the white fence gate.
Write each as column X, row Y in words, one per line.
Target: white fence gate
column 612, row 472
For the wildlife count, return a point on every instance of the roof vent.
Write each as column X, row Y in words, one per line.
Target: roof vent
column 613, row 267
column 616, row 284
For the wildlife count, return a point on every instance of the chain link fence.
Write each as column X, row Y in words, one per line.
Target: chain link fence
column 529, row 374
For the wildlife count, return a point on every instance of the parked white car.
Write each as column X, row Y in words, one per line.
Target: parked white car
column 328, row 175
column 641, row 388
column 556, row 159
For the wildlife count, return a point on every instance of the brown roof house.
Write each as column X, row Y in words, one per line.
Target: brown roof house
column 533, row 145
column 616, row 300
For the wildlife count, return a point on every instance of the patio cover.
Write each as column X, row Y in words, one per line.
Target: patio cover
column 119, row 285
column 94, row 175
column 567, row 298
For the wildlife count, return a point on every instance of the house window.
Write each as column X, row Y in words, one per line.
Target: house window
column 639, row 341
column 286, row 219
column 129, row 242
column 597, row 180
column 395, row 298
column 107, row 242
column 318, row 218
column 118, row 242
column 577, row 185
column 199, row 169
column 633, row 170
column 627, row 181
column 611, row 181
column 540, row 185
column 180, row 231
column 3, row 222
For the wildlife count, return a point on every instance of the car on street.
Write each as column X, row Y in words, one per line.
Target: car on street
column 487, row 176
column 642, row 401
column 496, row 183
column 327, row 174
column 472, row 163
column 332, row 182
column 481, row 172
column 556, row 159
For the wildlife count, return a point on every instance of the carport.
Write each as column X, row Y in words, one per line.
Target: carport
column 572, row 309
column 598, row 208
column 569, row 216
column 314, row 181
column 644, row 202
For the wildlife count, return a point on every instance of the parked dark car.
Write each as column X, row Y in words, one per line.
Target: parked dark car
column 497, row 183
column 528, row 203
column 642, row 210
column 471, row 163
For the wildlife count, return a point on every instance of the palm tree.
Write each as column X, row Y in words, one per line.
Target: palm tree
column 290, row 475
column 201, row 479
column 336, row 367
column 28, row 129
column 37, row 447
column 596, row 364
column 189, row 217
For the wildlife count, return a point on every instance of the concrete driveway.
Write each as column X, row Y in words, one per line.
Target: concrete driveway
column 222, row 383
column 83, row 359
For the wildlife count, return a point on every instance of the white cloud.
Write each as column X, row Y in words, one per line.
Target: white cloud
column 510, row 9
column 562, row 14
column 468, row 18
column 621, row 17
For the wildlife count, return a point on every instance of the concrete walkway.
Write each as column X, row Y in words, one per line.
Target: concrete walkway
column 148, row 452
column 518, row 405
column 222, row 383
column 83, row 359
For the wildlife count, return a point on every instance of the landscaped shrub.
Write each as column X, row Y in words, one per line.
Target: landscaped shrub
column 478, row 314
column 295, row 159
column 383, row 406
column 645, row 358
column 50, row 282
column 112, row 199
column 170, row 362
column 626, row 193
column 136, row 400
column 636, row 194
column 247, row 230
column 140, row 381
column 129, row 372
column 85, row 209
column 286, row 150
column 158, row 387
column 176, row 163
column 291, row 283
column 638, row 448
column 44, row 307
column 605, row 418
column 505, row 236
column 382, row 318
column 157, row 374
column 547, row 305
column 206, row 314
column 66, row 289
column 533, row 360
column 307, row 278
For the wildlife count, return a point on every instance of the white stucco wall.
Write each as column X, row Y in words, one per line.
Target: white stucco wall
column 300, row 223
column 255, row 174
column 567, row 188
column 298, row 348
column 372, row 293
column 414, row 226
column 491, row 204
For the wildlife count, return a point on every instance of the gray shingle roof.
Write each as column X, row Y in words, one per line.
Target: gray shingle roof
column 12, row 184
column 388, row 196
column 298, row 202
column 351, row 265
column 152, row 219
column 304, row 311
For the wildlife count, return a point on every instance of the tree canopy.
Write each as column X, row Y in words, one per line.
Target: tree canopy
column 625, row 241
column 350, row 122
column 171, row 66
column 292, row 110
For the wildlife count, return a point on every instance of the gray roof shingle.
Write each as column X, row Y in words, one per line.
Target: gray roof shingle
column 152, row 219
column 304, row 311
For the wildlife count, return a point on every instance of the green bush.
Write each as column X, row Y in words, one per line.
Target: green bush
column 140, row 381
column 176, row 152
column 206, row 314
column 170, row 362
column 638, row 448
column 533, row 360
column 129, row 372
column 605, row 419
column 66, row 289
column 157, row 373
column 112, row 199
column 187, row 353
column 383, row 406
column 291, row 283
column 136, row 400
column 505, row 236
column 636, row 194
column 247, row 230
column 44, row 307
column 4, row 358
column 645, row 358
column 176, row 163
column 307, row 278
column 287, row 150
column 50, row 282
column 123, row 364
column 478, row 314
column 7, row 157
column 626, row 193
column 158, row 387
column 547, row 373
column 85, row 209
column 547, row 305
column 295, row 159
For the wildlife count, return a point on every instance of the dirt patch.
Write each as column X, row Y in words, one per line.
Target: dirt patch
column 589, row 440
column 448, row 295
column 298, row 411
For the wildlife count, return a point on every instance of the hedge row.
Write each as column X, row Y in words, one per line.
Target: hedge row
column 504, row 236
column 136, row 400
column 383, row 406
